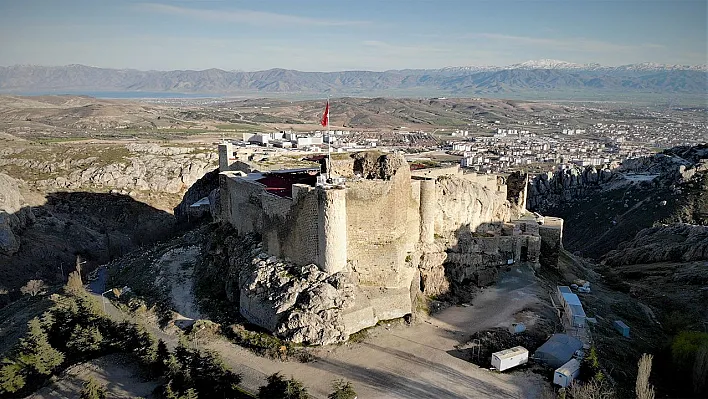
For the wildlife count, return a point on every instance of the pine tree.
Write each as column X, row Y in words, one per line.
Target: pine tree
column 85, row 339
column 342, row 390
column 11, row 377
column 280, row 388
column 92, row 390
column 35, row 352
column 171, row 393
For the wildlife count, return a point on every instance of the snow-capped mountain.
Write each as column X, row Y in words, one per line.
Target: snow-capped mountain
column 565, row 65
column 552, row 64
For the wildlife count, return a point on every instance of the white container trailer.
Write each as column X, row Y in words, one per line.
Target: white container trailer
column 566, row 373
column 508, row 358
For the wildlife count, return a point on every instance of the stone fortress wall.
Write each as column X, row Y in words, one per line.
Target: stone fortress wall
column 390, row 231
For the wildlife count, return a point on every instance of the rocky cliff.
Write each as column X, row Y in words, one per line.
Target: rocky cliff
column 603, row 207
column 15, row 215
column 132, row 167
column 673, row 243
column 547, row 190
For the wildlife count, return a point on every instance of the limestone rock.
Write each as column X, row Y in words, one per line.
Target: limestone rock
column 148, row 167
column 14, row 214
column 300, row 304
column 673, row 243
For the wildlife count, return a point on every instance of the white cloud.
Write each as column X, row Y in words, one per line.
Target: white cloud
column 247, row 16
column 568, row 44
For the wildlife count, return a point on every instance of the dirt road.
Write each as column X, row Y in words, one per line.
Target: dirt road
column 411, row 361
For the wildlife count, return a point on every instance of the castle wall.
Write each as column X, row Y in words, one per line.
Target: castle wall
column 243, row 203
column 551, row 233
column 433, row 173
column 413, row 227
column 466, row 206
column 288, row 227
column 378, row 236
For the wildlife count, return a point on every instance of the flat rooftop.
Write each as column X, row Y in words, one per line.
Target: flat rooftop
column 281, row 182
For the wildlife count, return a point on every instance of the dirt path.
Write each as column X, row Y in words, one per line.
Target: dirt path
column 177, row 267
column 411, row 361
column 117, row 373
column 399, row 361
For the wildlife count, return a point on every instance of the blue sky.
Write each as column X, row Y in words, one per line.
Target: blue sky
column 348, row 35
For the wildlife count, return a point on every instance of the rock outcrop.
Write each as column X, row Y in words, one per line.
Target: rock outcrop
column 547, row 190
column 142, row 167
column 306, row 303
column 14, row 214
column 372, row 165
column 673, row 243
column 201, row 188
column 673, row 166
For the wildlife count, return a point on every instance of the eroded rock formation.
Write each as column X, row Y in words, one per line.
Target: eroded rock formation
column 14, row 214
column 674, row 243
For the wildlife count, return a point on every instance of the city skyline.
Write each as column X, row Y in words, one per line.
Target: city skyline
column 335, row 36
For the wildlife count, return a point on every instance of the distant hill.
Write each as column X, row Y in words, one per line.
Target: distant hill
column 532, row 79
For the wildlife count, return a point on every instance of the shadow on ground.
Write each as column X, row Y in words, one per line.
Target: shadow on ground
column 98, row 227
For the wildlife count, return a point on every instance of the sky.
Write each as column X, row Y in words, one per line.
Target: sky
column 335, row 35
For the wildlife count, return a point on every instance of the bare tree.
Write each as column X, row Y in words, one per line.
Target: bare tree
column 74, row 285
column 700, row 369
column 34, row 287
column 593, row 389
column 643, row 388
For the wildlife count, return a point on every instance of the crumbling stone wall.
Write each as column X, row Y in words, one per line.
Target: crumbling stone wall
column 462, row 202
column 241, row 200
column 551, row 233
column 517, row 190
column 295, row 234
column 377, row 231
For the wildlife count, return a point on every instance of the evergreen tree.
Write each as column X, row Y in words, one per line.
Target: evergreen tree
column 11, row 377
column 35, row 353
column 171, row 393
column 280, row 388
column 342, row 390
column 85, row 339
column 93, row 390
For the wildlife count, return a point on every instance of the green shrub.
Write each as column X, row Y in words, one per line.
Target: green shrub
column 92, row 390
column 280, row 388
column 685, row 346
column 342, row 390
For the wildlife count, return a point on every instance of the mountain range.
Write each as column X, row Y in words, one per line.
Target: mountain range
column 528, row 79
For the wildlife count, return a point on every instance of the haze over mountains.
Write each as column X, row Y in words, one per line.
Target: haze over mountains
column 540, row 78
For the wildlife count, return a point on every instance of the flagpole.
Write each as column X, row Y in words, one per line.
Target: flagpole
column 329, row 145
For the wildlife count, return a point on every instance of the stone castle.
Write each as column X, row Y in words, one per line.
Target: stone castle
column 361, row 248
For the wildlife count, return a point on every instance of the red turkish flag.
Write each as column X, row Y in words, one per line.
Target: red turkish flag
column 325, row 116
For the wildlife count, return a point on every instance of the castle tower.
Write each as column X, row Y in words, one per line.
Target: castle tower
column 332, row 222
column 428, row 207
column 226, row 156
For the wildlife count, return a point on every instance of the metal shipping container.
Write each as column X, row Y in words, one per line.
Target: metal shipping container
column 508, row 358
column 566, row 373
